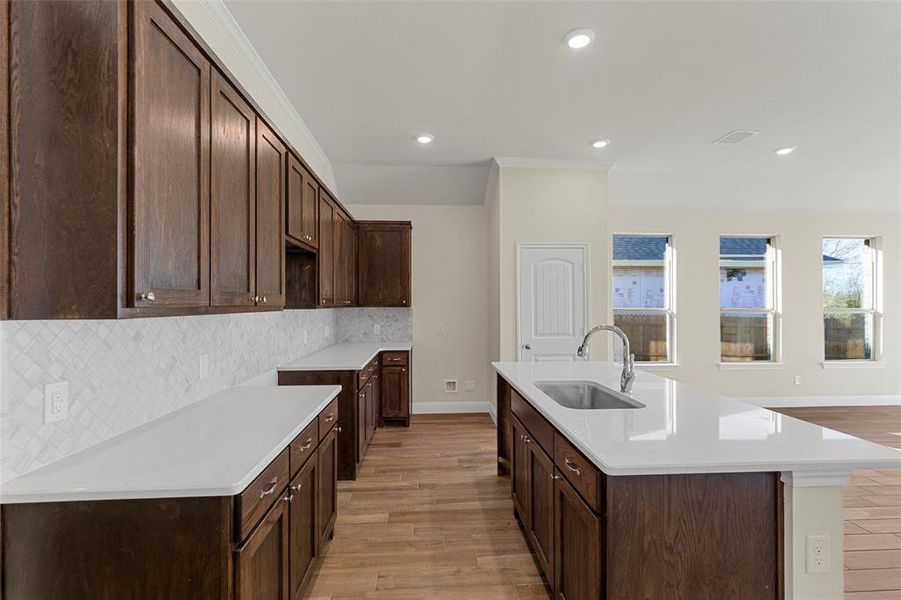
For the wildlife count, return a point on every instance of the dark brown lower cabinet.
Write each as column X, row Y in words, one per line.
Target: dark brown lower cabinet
column 533, row 496
column 520, row 482
column 328, row 486
column 577, row 548
column 304, row 521
column 395, row 394
column 261, row 563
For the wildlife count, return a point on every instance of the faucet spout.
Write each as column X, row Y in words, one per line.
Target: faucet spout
column 628, row 375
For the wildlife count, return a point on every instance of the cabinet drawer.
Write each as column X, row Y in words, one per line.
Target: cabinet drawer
column 262, row 492
column 394, row 358
column 583, row 475
column 368, row 370
column 540, row 429
column 328, row 418
column 303, row 446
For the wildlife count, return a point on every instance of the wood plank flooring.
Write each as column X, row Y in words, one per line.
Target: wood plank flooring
column 872, row 502
column 428, row 518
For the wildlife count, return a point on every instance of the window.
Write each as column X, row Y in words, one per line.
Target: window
column 851, row 317
column 643, row 295
column 749, row 302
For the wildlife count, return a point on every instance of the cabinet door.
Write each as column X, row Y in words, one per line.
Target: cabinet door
column 270, row 224
column 384, row 263
column 578, row 565
column 350, row 262
column 170, row 161
column 374, row 403
column 540, row 527
column 520, row 473
column 363, row 397
column 328, row 485
column 232, row 201
column 261, row 566
column 304, row 522
column 395, row 393
column 342, row 287
column 302, row 204
column 326, row 250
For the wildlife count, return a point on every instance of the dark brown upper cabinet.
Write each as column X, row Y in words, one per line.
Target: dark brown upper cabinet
column 233, row 200
column 345, row 259
column 384, row 262
column 303, row 204
column 270, row 223
column 170, row 158
column 327, row 217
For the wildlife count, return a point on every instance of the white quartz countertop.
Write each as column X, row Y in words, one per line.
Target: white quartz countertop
column 344, row 357
column 684, row 429
column 214, row 447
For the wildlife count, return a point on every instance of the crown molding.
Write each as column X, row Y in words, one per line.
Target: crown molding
column 552, row 163
column 231, row 31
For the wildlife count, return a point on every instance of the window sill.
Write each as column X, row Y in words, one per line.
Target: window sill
column 751, row 366
column 656, row 365
column 852, row 364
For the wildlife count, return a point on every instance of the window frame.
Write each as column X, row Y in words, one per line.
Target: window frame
column 669, row 298
column 773, row 308
column 874, row 242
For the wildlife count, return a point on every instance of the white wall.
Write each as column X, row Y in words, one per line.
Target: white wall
column 696, row 237
column 550, row 205
column 449, row 279
column 216, row 26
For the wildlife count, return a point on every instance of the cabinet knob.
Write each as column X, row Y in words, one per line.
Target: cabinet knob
column 264, row 299
column 288, row 498
column 338, row 429
column 149, row 296
column 255, row 299
column 403, row 301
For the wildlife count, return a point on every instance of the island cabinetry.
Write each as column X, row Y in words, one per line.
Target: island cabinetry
column 257, row 544
column 596, row 536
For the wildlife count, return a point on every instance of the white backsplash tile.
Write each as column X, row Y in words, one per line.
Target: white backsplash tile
column 358, row 324
column 124, row 373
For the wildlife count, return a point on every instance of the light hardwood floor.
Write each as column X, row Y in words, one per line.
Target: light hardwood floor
column 428, row 518
column 872, row 503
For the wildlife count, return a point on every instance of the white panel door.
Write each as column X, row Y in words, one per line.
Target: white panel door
column 552, row 290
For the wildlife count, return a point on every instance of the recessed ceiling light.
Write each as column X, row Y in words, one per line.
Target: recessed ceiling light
column 784, row 151
column 425, row 138
column 600, row 143
column 579, row 38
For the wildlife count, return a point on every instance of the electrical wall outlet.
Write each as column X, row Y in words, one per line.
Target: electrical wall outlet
column 56, row 401
column 377, row 329
column 203, row 366
column 818, row 554
column 450, row 386
column 797, row 380
column 469, row 385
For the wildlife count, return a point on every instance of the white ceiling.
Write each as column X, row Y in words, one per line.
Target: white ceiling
column 662, row 81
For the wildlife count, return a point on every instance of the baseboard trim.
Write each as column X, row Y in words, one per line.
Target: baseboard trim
column 815, row 401
column 440, row 408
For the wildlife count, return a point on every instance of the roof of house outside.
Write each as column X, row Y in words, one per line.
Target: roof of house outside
column 648, row 247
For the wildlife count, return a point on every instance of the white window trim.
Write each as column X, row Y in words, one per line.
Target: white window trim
column 876, row 312
column 669, row 301
column 773, row 271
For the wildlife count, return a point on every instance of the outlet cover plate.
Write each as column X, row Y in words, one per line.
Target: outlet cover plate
column 56, row 401
column 818, row 554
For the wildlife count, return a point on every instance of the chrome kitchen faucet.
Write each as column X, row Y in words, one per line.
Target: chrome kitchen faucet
column 625, row 380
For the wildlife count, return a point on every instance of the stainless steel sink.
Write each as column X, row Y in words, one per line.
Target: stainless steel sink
column 586, row 395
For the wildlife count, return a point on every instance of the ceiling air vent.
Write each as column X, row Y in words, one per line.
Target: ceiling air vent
column 735, row 136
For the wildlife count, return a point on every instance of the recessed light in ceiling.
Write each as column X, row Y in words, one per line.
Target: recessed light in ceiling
column 425, row 138
column 600, row 143
column 579, row 38
column 784, row 151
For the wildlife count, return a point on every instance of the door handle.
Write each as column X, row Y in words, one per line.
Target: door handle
column 527, row 346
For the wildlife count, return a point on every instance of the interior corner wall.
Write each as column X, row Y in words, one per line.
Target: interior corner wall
column 448, row 290
column 492, row 201
column 696, row 240
column 548, row 205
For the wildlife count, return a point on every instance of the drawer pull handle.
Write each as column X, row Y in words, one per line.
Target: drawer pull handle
column 330, row 417
column 307, row 445
column 271, row 489
column 570, row 466
column 297, row 487
column 288, row 498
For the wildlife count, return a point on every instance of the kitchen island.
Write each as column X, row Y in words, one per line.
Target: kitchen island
column 685, row 495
